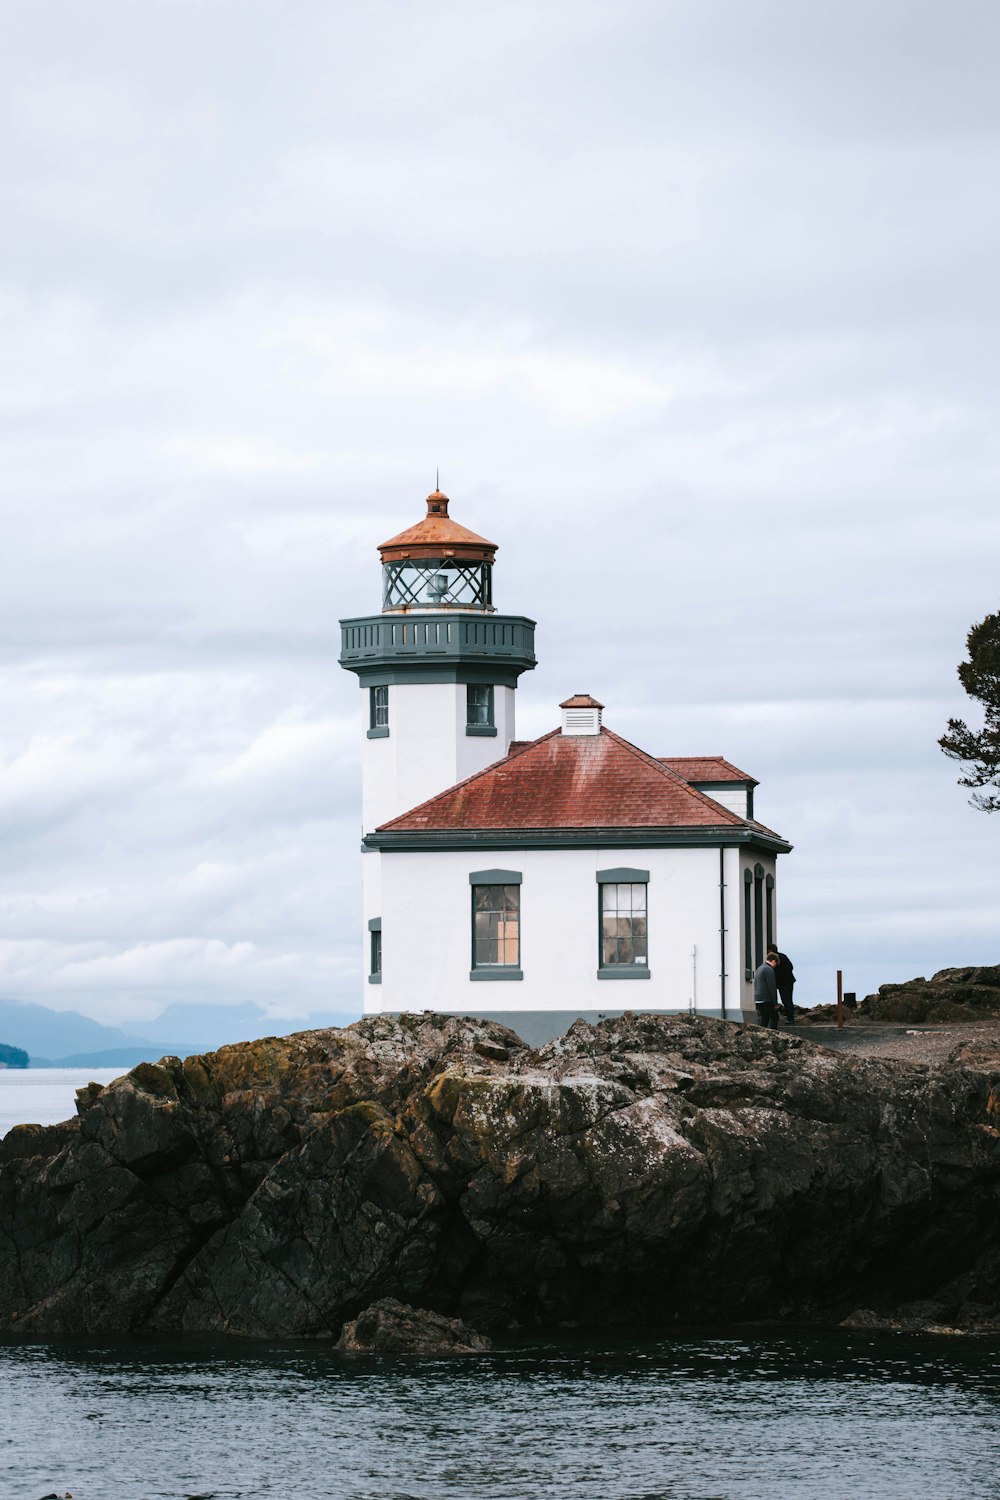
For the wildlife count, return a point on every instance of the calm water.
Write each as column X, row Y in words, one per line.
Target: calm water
column 846, row 1416
column 44, row 1096
column 814, row 1417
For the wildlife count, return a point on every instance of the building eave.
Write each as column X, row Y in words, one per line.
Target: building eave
column 725, row 835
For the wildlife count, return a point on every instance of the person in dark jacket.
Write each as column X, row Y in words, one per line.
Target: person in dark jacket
column 765, row 992
column 786, row 983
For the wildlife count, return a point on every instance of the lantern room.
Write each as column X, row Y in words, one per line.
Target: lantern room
column 437, row 565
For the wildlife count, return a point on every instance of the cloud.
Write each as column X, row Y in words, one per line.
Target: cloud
column 694, row 305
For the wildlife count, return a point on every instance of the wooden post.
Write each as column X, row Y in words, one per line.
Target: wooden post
column 840, row 997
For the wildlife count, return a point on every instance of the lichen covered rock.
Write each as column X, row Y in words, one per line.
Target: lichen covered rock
column 639, row 1171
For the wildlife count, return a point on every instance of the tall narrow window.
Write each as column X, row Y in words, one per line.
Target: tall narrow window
column 623, row 935
column 378, row 711
column 496, row 924
column 758, row 915
column 479, row 709
column 769, row 908
column 747, row 924
column 375, row 950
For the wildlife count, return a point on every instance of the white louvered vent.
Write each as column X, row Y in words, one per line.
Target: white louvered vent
column 581, row 721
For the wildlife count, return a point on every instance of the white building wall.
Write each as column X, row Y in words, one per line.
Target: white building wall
column 427, row 749
column 427, row 932
column 476, row 752
column 371, row 906
column 734, row 797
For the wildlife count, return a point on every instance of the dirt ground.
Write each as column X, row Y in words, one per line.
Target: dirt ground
column 918, row 1044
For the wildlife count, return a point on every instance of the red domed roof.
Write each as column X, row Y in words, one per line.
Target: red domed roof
column 437, row 535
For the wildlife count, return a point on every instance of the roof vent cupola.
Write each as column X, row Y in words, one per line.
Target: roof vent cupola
column 581, row 714
column 437, row 564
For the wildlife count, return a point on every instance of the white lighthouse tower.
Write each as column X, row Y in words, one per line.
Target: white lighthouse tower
column 438, row 668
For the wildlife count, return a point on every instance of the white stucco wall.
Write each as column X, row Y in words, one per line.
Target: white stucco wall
column 371, row 906
column 734, row 797
column 427, row 748
column 426, row 932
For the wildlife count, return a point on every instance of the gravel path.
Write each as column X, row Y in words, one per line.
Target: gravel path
column 917, row 1044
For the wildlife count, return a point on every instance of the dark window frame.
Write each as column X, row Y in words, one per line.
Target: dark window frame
column 617, row 878
column 505, row 881
column 484, row 726
column 375, row 951
column 378, row 711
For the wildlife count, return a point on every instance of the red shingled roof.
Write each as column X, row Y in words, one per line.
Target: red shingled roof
column 704, row 768
column 570, row 781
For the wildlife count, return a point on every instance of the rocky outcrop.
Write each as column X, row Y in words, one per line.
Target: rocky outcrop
column 390, row 1327
column 639, row 1171
column 949, row 995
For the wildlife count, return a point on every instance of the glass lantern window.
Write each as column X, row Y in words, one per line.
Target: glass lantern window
column 437, row 584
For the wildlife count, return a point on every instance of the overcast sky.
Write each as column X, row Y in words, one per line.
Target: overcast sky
column 694, row 303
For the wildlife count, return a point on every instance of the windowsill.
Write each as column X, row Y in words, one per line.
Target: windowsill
column 375, row 979
column 381, row 733
column 624, row 971
column 485, row 731
column 497, row 973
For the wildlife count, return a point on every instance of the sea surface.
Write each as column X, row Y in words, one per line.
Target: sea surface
column 804, row 1416
column 719, row 1415
column 44, row 1096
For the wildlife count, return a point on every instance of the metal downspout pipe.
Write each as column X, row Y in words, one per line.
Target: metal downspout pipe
column 722, row 927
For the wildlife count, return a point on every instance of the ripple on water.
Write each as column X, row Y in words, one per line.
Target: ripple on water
column 810, row 1417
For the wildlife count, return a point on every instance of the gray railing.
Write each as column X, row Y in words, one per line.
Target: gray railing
column 389, row 636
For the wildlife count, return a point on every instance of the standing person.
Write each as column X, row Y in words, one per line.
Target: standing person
column 786, row 983
column 765, row 992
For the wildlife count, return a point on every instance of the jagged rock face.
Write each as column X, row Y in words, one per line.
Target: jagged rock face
column 968, row 994
column 641, row 1170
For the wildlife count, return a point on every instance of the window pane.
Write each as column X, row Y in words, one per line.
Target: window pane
column 495, row 925
column 479, row 704
column 625, row 950
column 623, row 924
column 639, row 940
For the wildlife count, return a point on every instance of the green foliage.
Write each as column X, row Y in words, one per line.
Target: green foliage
column 14, row 1057
column 980, row 749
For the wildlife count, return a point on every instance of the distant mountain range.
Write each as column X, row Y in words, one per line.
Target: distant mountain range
column 67, row 1039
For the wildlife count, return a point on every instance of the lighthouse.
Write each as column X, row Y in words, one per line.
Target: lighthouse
column 438, row 669
column 573, row 876
column 438, row 666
